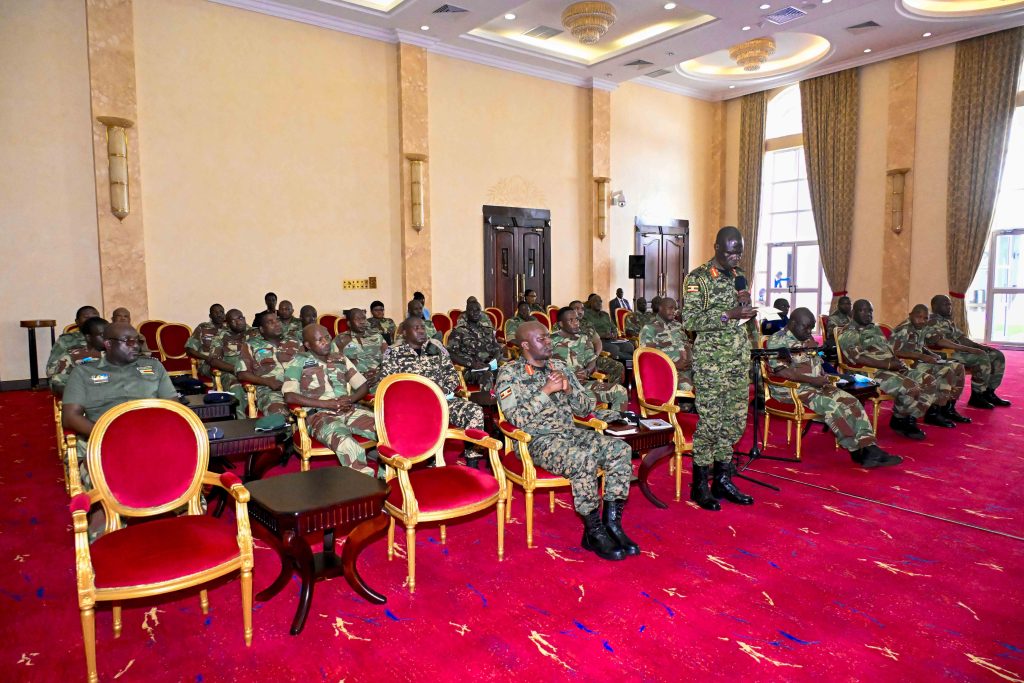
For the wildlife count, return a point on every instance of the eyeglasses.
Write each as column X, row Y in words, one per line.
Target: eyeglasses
column 129, row 341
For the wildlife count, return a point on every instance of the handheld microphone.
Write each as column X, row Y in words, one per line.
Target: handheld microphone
column 741, row 283
column 741, row 286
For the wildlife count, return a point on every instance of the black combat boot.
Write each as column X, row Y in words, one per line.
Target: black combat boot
column 907, row 426
column 991, row 397
column 700, row 490
column 980, row 400
column 597, row 540
column 935, row 417
column 612, row 519
column 876, row 457
column 950, row 411
column 722, row 486
column 857, row 456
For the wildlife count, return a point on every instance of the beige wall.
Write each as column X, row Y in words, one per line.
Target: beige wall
column 269, row 150
column 47, row 193
column 661, row 149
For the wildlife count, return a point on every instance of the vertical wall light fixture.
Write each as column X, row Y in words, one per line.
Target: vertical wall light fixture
column 897, row 178
column 601, row 185
column 416, row 194
column 117, row 163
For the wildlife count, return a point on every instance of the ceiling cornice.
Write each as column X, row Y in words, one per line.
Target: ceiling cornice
column 509, row 65
column 674, row 88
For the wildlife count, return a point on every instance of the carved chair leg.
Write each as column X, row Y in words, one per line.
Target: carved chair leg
column 874, row 416
column 551, row 500
column 246, row 578
column 678, row 460
column 508, row 496
column 501, row 530
column 204, row 601
column 89, row 639
column 304, row 466
column 410, row 551
column 529, row 518
column 391, row 539
column 444, row 534
column 767, row 424
column 799, row 438
column 116, row 609
column 789, row 432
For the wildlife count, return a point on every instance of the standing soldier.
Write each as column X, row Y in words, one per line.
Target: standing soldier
column 577, row 352
column 92, row 331
column 227, row 348
column 539, row 395
column 386, row 326
column 200, row 344
column 262, row 363
column 985, row 363
column 330, row 385
column 665, row 334
column 715, row 310
column 473, row 346
column 910, row 339
column 70, row 340
column 363, row 345
column 291, row 327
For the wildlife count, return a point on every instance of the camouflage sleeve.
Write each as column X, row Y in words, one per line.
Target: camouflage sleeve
column 777, row 363
column 292, row 375
column 340, row 342
column 456, row 343
column 59, row 369
column 519, row 404
column 245, row 360
column 697, row 314
column 388, row 365
column 217, row 351
column 561, row 350
column 647, row 336
column 581, row 401
column 901, row 341
column 849, row 344
column 195, row 342
column 449, row 376
column 57, row 354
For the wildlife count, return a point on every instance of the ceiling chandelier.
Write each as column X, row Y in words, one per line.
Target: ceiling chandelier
column 588, row 21
column 753, row 53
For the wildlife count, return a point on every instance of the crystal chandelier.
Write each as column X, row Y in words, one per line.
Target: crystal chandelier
column 753, row 53
column 588, row 21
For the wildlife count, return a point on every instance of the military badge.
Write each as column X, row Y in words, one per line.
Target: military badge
column 145, row 370
column 101, row 378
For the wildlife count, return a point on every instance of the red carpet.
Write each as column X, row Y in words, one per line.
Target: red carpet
column 808, row 584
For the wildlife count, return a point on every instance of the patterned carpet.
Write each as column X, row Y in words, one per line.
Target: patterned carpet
column 900, row 574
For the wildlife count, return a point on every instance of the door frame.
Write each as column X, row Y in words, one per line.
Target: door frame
column 503, row 217
column 791, row 290
column 647, row 225
column 992, row 290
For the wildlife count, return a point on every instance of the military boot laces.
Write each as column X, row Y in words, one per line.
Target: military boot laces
column 935, row 417
column 951, row 412
column 597, row 540
column 723, row 487
column 612, row 519
column 991, row 397
column 700, row 490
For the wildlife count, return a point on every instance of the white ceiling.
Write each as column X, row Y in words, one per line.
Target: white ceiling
column 473, row 35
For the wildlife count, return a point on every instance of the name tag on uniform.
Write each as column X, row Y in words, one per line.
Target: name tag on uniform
column 692, row 289
column 506, row 393
column 101, row 378
column 146, row 370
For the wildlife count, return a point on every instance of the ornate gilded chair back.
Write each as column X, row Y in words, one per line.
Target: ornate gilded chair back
column 170, row 343
column 148, row 329
column 542, row 318
column 656, row 378
column 442, row 323
column 411, row 415
column 620, row 319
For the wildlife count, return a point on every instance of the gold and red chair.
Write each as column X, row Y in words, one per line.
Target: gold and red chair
column 656, row 382
column 552, row 312
column 170, row 344
column 793, row 411
column 847, row 366
column 454, row 315
column 70, row 327
column 886, row 330
column 442, row 323
column 329, row 321
column 412, row 426
column 542, row 318
column 823, row 321
column 148, row 328
column 497, row 317
column 148, row 458
column 305, row 445
column 620, row 320
column 340, row 326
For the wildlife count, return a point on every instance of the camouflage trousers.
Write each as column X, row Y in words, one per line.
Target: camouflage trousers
column 986, row 367
column 612, row 369
column 615, row 395
column 270, row 402
column 684, row 380
column 230, row 383
column 843, row 414
column 465, row 414
column 950, row 378
column 913, row 390
column 720, row 384
column 577, row 455
column 336, row 431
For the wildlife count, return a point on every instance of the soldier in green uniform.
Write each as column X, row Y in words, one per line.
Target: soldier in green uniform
column 605, row 328
column 474, row 347
column 226, row 349
column 843, row 413
column 715, row 310
column 291, row 327
column 910, row 340
column 70, row 340
column 577, row 352
column 386, row 326
column 838, row 318
column 485, row 320
column 331, row 386
column 985, row 363
column 200, row 344
column 613, row 370
column 415, row 310
column 522, row 316
column 307, row 316
column 640, row 317
column 914, row 390
column 363, row 345
column 262, row 362
column 123, row 315
column 530, row 297
column 539, row 395
column 665, row 334
column 270, row 300
column 92, row 331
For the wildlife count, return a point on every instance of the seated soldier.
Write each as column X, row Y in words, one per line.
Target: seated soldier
column 330, row 385
column 363, row 345
column 70, row 340
column 123, row 315
column 418, row 296
column 227, row 348
column 522, row 316
column 614, row 371
column 474, row 347
column 602, row 324
column 530, row 297
column 577, row 352
column 639, row 318
column 412, row 356
column 838, row 318
column 270, row 300
column 200, row 344
column 92, row 330
column 667, row 335
column 843, row 413
column 415, row 309
column 914, row 390
column 770, row 327
column 386, row 326
column 910, row 340
column 291, row 327
column 539, row 395
column 262, row 362
column 985, row 363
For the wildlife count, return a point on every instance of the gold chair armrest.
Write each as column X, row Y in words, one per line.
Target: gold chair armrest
column 515, row 433
column 660, row 407
column 594, row 423
column 685, row 394
column 599, row 376
column 250, row 398
column 71, row 462
column 217, row 384
column 461, row 435
column 236, row 489
column 396, row 461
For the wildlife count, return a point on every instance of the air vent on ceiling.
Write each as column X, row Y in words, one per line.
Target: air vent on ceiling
column 640, row 63
column 658, row 73
column 785, row 15
column 449, row 9
column 542, row 32
column 863, row 27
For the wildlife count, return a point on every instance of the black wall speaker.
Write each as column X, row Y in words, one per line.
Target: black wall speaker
column 636, row 267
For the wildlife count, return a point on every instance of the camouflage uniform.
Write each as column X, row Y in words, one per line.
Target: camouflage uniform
column 292, row 329
column 557, row 444
column 671, row 338
column 438, row 368
column 637, row 321
column 263, row 358
column 67, row 361
column 432, row 333
column 913, row 390
column 601, row 323
column 721, row 361
column 485, row 321
column 512, row 325
column 578, row 353
column 64, row 344
column 228, row 347
column 835, row 320
column 385, row 326
column 843, row 413
column 201, row 341
column 468, row 344
column 366, row 351
column 985, row 365
column 950, row 376
column 334, row 378
column 537, row 307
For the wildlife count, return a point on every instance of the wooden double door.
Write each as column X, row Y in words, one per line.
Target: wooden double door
column 517, row 256
column 665, row 246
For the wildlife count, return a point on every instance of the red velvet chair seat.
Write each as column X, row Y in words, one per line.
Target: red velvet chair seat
column 445, row 488
column 297, row 439
column 786, row 407
column 161, row 550
column 514, row 465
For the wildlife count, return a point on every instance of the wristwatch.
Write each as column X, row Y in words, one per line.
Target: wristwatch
column 724, row 318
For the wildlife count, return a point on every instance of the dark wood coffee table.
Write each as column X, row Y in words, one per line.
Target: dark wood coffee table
column 210, row 412
column 329, row 499
column 653, row 445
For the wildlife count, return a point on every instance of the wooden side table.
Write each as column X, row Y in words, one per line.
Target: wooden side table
column 329, row 499
column 654, row 445
column 33, row 358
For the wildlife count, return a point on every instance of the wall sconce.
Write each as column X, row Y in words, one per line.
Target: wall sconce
column 117, row 163
column 416, row 195
column 601, row 215
column 897, row 178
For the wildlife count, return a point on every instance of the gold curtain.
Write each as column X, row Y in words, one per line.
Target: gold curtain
column 830, row 107
column 985, row 76
column 753, row 109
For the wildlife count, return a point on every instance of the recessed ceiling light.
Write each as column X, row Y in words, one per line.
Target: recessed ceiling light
column 867, row 50
column 670, row 53
column 825, row 2
column 670, row 5
column 731, row 87
column 424, row 28
column 926, row 35
column 765, row 6
column 510, row 16
column 746, row 28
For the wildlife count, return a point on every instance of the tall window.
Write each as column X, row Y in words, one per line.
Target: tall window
column 788, row 262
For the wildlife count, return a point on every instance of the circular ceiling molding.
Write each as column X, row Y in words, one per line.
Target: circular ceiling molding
column 957, row 9
column 793, row 51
